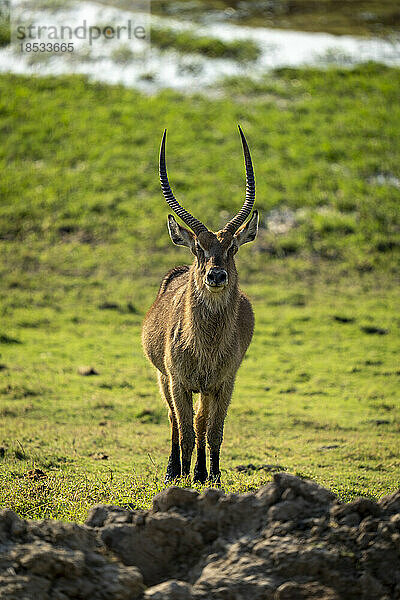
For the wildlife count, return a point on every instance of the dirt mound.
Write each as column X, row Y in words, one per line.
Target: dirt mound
column 289, row 540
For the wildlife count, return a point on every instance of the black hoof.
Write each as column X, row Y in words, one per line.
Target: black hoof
column 173, row 471
column 200, row 475
column 215, row 479
column 171, row 478
column 174, row 465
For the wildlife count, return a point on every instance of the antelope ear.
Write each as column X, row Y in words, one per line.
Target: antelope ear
column 248, row 232
column 180, row 235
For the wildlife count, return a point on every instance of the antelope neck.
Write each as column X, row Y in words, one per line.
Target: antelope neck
column 212, row 316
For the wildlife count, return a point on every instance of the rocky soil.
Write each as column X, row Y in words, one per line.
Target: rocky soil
column 290, row 540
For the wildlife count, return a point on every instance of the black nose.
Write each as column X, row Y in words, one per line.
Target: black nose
column 217, row 276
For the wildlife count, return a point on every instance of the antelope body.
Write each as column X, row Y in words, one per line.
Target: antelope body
column 199, row 328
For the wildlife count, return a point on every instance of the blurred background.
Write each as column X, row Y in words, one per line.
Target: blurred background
column 189, row 44
column 84, row 244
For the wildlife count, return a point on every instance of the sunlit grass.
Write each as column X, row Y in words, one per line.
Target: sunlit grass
column 84, row 245
column 189, row 43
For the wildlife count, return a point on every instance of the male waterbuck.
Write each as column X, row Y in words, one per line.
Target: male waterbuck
column 198, row 329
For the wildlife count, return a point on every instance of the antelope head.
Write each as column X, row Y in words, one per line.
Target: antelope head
column 215, row 269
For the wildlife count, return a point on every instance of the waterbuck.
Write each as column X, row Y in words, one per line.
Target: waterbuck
column 198, row 329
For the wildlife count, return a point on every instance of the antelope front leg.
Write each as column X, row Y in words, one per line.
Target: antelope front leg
column 183, row 408
column 174, row 462
column 217, row 412
column 200, row 427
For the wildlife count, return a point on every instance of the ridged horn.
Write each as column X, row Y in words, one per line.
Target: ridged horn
column 234, row 224
column 195, row 225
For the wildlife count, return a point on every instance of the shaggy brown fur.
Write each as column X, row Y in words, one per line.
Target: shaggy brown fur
column 196, row 334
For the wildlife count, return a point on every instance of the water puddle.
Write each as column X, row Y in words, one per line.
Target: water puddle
column 140, row 64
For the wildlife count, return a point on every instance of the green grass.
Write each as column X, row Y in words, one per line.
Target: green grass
column 84, row 245
column 355, row 17
column 5, row 35
column 188, row 43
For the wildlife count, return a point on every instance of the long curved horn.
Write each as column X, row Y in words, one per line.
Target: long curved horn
column 194, row 224
column 234, row 224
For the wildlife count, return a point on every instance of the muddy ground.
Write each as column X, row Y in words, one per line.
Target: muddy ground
column 289, row 540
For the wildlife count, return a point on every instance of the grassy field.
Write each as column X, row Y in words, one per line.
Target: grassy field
column 84, row 244
column 184, row 41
